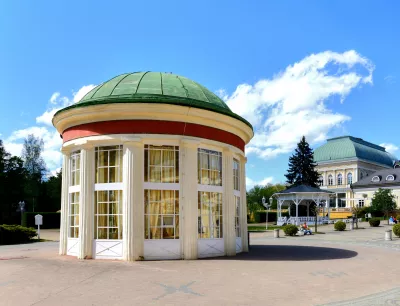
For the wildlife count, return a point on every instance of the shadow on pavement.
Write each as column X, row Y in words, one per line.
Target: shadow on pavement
column 292, row 253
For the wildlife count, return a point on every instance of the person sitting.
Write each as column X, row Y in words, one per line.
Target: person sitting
column 306, row 229
column 394, row 220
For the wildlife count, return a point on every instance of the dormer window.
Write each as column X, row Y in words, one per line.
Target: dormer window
column 390, row 178
column 375, row 179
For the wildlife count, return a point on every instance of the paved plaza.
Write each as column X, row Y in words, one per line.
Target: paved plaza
column 348, row 268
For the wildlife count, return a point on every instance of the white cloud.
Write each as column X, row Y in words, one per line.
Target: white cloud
column 52, row 141
column 391, row 148
column 390, row 79
column 251, row 183
column 57, row 102
column 293, row 103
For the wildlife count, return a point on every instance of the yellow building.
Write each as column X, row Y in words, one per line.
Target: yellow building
column 343, row 161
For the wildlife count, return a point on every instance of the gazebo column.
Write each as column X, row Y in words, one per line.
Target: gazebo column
column 189, row 196
column 328, row 207
column 64, row 203
column 133, row 201
column 228, row 206
column 243, row 204
column 297, row 212
column 86, row 205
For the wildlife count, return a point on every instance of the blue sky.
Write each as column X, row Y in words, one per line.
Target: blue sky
column 317, row 68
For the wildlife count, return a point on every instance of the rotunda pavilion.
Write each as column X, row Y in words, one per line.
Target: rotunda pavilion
column 153, row 168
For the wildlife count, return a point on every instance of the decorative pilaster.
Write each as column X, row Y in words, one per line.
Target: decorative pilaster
column 228, row 204
column 86, row 203
column 133, row 201
column 188, row 197
column 64, row 203
column 243, row 204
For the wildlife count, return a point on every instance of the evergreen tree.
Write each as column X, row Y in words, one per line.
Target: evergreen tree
column 302, row 167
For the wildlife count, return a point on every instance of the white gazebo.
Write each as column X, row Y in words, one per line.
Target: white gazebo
column 303, row 195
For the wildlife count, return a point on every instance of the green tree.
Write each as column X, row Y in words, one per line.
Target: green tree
column 383, row 201
column 255, row 195
column 302, row 167
column 12, row 180
column 34, row 165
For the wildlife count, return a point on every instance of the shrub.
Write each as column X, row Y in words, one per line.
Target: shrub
column 50, row 219
column 340, row 226
column 396, row 230
column 11, row 234
column 290, row 230
column 374, row 222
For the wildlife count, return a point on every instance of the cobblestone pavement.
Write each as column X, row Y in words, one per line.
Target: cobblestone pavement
column 349, row 268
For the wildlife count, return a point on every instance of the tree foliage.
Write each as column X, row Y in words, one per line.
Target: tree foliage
column 25, row 180
column 383, row 201
column 255, row 195
column 32, row 155
column 302, row 167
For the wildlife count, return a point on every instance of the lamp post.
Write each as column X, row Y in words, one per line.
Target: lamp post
column 267, row 206
column 21, row 208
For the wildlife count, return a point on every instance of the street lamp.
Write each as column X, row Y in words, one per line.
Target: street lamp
column 21, row 208
column 267, row 206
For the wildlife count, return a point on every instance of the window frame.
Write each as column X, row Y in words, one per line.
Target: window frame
column 147, row 166
column 175, row 216
column 108, row 187
column 349, row 181
column 118, row 163
column 209, row 153
column 211, row 226
column 339, row 179
column 236, row 174
column 330, row 180
column 119, row 215
column 375, row 179
column 391, row 176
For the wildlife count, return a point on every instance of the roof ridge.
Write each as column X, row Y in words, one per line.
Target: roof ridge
column 183, row 86
column 137, row 88
column 128, row 74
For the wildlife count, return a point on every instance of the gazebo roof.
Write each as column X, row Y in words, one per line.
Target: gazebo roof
column 303, row 189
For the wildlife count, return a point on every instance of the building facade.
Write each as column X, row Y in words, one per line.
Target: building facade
column 365, row 188
column 343, row 161
column 154, row 168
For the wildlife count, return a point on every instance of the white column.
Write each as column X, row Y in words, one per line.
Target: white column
column 355, row 175
column 337, row 201
column 188, row 196
column 64, row 203
column 228, row 206
column 133, row 201
column 297, row 211
column 328, row 207
column 243, row 203
column 86, row 203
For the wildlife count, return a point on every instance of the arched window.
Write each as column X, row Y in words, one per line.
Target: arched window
column 390, row 178
column 340, row 179
column 330, row 180
column 349, row 178
column 320, row 181
column 375, row 179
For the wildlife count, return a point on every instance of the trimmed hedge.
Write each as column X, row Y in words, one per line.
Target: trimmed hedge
column 374, row 222
column 396, row 230
column 340, row 226
column 261, row 216
column 290, row 229
column 50, row 219
column 12, row 234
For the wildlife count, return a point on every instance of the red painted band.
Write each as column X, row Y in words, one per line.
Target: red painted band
column 152, row 127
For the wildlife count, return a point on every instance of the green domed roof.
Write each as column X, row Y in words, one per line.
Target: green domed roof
column 155, row 87
column 348, row 147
